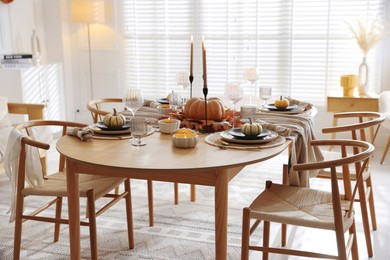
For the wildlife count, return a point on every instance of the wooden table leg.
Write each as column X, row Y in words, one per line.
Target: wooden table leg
column 193, row 192
column 221, row 215
column 150, row 203
column 72, row 185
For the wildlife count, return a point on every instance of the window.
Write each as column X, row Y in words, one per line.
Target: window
column 300, row 47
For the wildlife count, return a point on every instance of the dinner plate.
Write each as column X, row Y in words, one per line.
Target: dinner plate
column 163, row 101
column 102, row 126
column 225, row 135
column 99, row 131
column 273, row 108
column 236, row 132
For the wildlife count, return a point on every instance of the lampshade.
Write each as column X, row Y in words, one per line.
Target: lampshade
column 88, row 11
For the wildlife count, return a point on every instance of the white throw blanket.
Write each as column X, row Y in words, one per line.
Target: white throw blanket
column 302, row 151
column 11, row 164
column 4, row 133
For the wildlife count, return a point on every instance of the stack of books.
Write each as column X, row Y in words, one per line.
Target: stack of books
column 16, row 60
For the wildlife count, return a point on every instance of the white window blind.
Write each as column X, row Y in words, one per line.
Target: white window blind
column 300, row 47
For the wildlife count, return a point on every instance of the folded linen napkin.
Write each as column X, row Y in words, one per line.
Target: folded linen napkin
column 305, row 105
column 84, row 134
column 281, row 130
column 151, row 103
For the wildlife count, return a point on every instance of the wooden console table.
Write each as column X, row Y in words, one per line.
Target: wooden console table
column 352, row 104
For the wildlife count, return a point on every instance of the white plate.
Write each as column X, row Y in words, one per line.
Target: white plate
column 229, row 138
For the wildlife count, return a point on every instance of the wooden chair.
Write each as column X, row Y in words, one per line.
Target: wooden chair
column 33, row 112
column 99, row 108
column 384, row 108
column 312, row 208
column 54, row 185
column 103, row 106
column 363, row 123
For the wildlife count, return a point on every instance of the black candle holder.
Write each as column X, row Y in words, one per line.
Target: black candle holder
column 191, row 78
column 205, row 92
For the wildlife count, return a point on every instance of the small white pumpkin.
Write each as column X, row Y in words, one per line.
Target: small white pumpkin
column 114, row 120
column 251, row 129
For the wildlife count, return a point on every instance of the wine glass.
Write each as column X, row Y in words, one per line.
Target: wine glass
column 139, row 128
column 265, row 94
column 133, row 100
column 175, row 100
column 234, row 93
column 250, row 75
column 182, row 79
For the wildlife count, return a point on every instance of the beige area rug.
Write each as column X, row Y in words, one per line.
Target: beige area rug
column 184, row 231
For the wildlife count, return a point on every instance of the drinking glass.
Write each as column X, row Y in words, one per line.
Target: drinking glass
column 265, row 93
column 133, row 100
column 234, row 93
column 175, row 100
column 182, row 79
column 139, row 129
column 250, row 75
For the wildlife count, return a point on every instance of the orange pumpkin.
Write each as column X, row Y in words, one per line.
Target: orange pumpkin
column 195, row 109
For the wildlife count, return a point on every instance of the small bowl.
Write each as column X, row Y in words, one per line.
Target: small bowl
column 168, row 127
column 164, row 109
column 185, row 140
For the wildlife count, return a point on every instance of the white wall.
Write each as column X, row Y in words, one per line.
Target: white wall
column 106, row 60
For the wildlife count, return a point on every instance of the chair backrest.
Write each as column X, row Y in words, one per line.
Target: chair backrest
column 365, row 120
column 99, row 107
column 384, row 107
column 31, row 140
column 359, row 160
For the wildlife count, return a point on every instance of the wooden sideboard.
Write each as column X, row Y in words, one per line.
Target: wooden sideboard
column 352, row 104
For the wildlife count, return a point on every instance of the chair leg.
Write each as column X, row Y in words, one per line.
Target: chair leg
column 150, row 203
column 129, row 214
column 176, row 192
column 245, row 234
column 58, row 217
column 371, row 203
column 266, row 239
column 284, row 235
column 366, row 221
column 193, row 192
column 92, row 223
column 354, row 250
column 18, row 225
column 386, row 150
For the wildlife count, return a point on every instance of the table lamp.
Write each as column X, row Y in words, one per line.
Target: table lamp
column 88, row 12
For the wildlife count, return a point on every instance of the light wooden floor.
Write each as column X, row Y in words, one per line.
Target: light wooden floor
column 324, row 241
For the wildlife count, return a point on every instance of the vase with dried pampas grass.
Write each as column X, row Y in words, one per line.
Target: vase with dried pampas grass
column 367, row 33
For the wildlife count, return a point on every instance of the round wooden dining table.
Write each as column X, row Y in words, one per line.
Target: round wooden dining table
column 158, row 160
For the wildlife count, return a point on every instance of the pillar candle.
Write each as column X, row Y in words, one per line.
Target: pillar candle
column 204, row 64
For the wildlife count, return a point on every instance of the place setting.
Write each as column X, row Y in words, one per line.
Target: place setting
column 249, row 136
column 283, row 105
column 115, row 126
